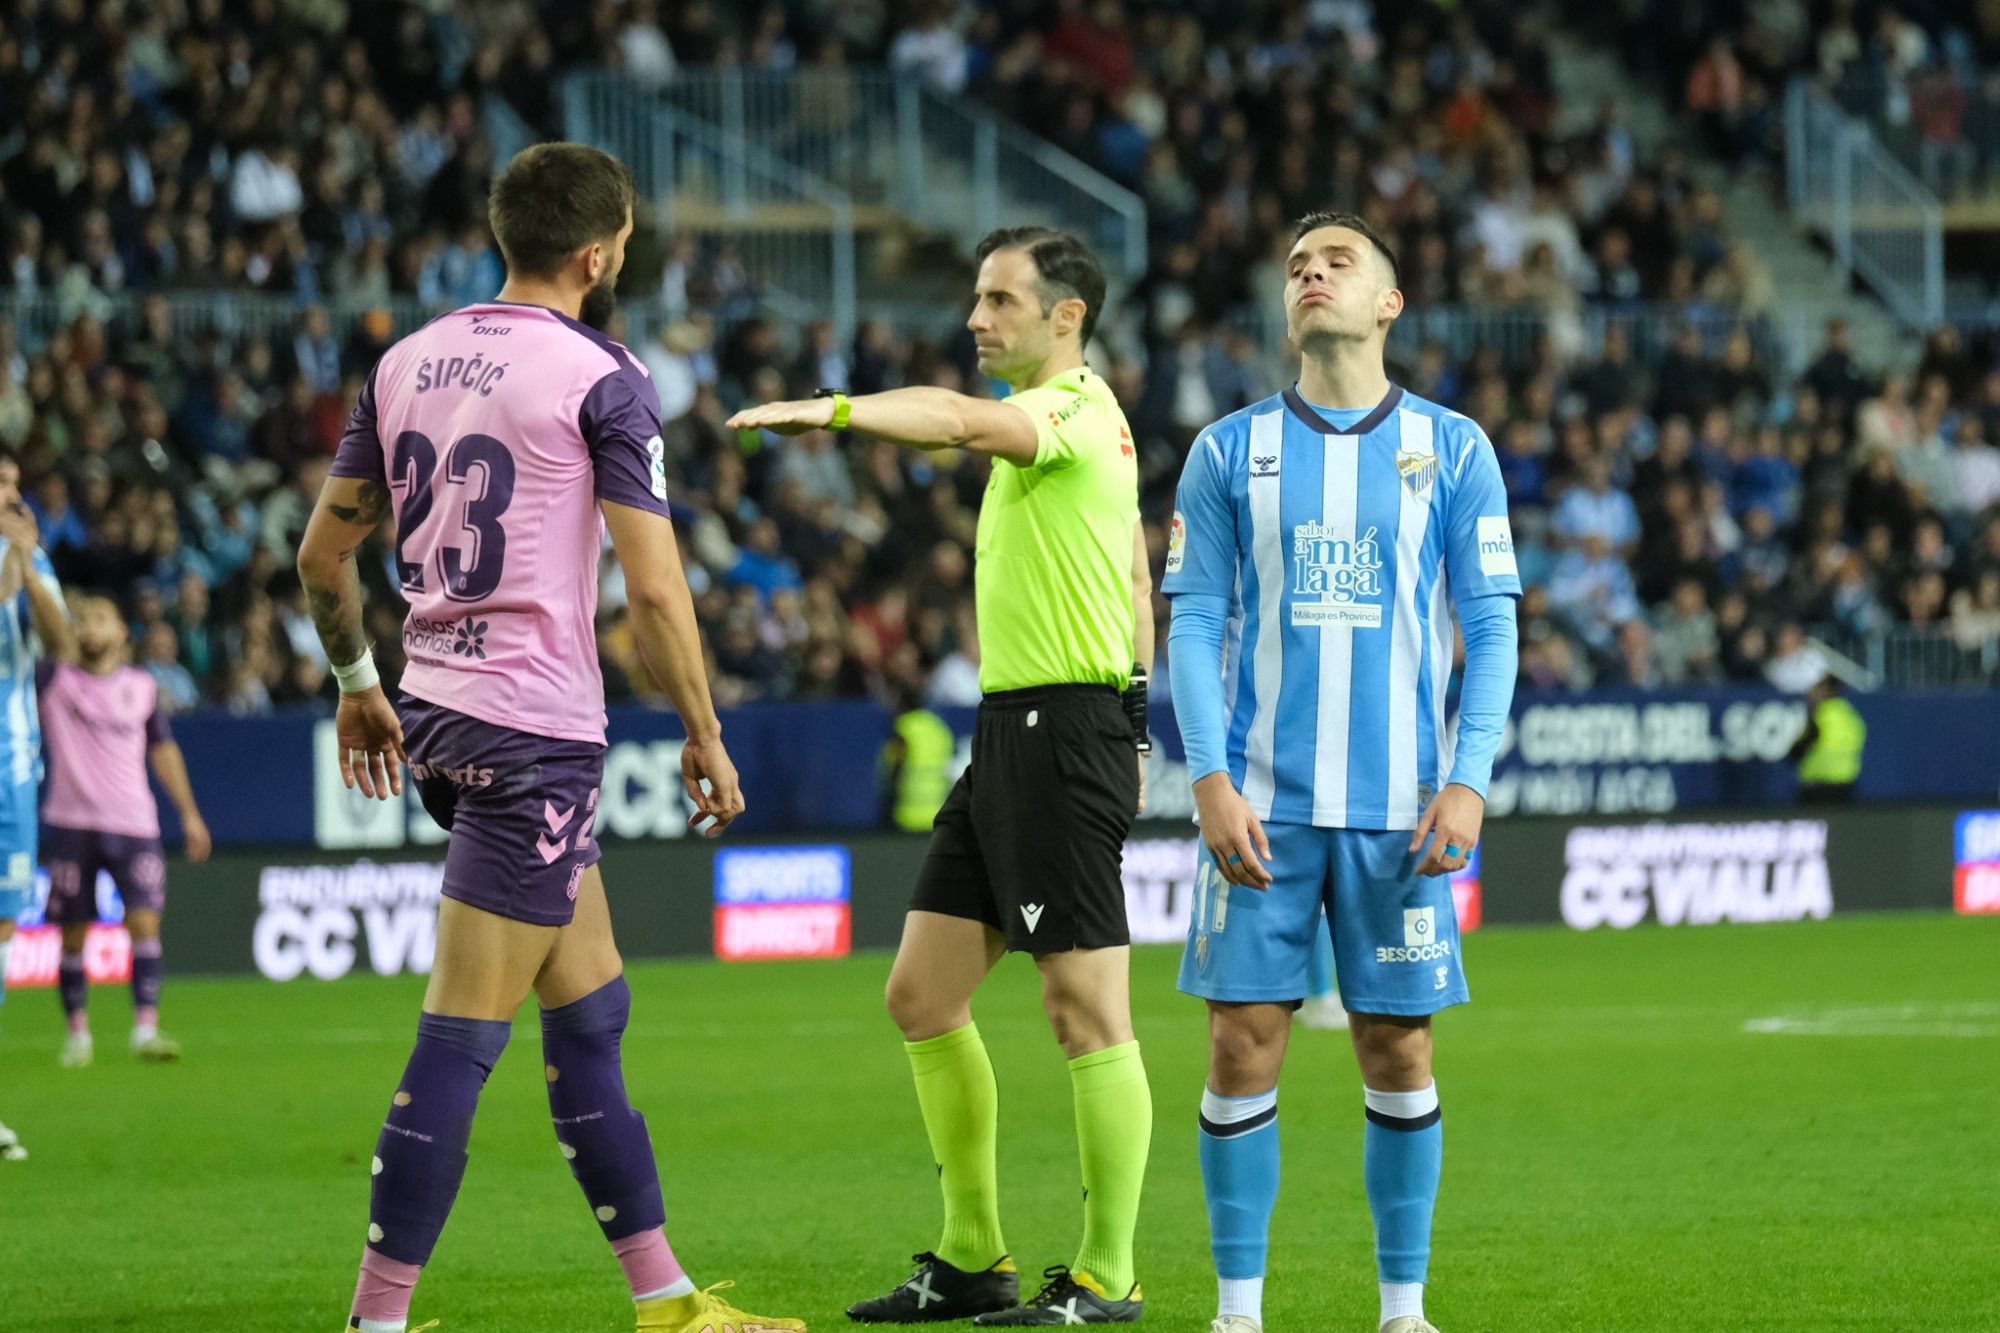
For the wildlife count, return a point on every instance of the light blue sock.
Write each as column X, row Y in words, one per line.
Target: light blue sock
column 1319, row 972
column 1239, row 1176
column 1402, row 1157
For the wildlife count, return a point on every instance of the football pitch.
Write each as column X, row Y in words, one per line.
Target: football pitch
column 1764, row 1127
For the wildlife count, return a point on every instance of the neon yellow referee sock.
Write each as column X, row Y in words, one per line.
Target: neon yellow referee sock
column 1114, row 1132
column 961, row 1106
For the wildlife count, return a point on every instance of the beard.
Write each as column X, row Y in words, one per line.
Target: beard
column 600, row 303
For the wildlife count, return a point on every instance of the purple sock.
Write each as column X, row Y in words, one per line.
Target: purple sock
column 420, row 1158
column 604, row 1139
column 146, row 972
column 71, row 986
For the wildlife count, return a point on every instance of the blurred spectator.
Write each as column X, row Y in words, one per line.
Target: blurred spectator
column 1594, row 510
column 1685, row 642
column 1593, row 589
column 161, row 660
column 930, row 49
column 1796, row 665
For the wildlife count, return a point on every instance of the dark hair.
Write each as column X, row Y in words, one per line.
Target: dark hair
column 1353, row 222
column 1065, row 268
column 552, row 200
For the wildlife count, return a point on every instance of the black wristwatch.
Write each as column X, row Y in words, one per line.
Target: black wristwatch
column 842, row 407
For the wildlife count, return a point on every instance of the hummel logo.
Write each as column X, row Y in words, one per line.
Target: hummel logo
column 1266, row 466
column 557, row 820
column 1032, row 914
column 921, row 1284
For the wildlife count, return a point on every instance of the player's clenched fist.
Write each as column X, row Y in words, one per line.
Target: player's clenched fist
column 1233, row 833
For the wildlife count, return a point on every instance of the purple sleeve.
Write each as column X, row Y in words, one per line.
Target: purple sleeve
column 360, row 451
column 620, row 421
column 157, row 729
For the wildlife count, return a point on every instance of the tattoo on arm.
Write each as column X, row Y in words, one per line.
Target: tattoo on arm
column 370, row 505
column 336, row 614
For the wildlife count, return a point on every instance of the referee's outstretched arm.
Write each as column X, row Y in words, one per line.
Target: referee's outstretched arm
column 920, row 417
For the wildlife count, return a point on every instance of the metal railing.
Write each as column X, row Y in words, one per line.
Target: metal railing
column 504, row 127
column 1908, row 657
column 792, row 231
column 1881, row 221
column 947, row 162
column 1941, row 122
column 190, row 314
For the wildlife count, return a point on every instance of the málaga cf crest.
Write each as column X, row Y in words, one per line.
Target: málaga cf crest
column 1418, row 470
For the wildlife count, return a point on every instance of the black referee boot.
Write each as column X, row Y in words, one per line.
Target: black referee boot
column 1066, row 1300
column 938, row 1292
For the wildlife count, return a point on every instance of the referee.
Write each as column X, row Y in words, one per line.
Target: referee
column 1025, row 854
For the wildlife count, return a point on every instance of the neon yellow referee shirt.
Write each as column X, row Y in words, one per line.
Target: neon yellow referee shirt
column 1053, row 578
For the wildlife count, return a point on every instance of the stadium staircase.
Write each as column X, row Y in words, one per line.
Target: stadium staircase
column 850, row 193
column 1811, row 286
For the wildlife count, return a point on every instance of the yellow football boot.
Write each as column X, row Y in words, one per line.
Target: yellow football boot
column 705, row 1312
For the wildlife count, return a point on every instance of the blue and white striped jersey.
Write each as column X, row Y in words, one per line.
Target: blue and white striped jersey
column 1340, row 540
column 20, row 720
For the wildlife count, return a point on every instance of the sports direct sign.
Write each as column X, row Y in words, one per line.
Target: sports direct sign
column 37, row 953
column 1975, row 880
column 782, row 902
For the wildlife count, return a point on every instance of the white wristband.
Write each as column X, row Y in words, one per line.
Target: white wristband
column 358, row 675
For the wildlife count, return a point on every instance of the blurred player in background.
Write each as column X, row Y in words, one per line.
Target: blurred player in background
column 32, row 621
column 103, row 722
column 506, row 437
column 1321, row 539
column 1025, row 854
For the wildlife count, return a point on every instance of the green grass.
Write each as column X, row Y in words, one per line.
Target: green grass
column 1621, row 1154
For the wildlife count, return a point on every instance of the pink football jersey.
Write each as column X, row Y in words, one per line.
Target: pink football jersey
column 98, row 730
column 498, row 428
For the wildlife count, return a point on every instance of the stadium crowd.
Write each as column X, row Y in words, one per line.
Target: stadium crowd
column 1682, row 510
column 1920, row 71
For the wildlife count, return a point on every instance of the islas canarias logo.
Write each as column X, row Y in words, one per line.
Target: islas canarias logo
column 1336, row 577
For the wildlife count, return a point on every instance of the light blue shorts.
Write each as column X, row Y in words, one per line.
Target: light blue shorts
column 19, row 824
column 1395, row 933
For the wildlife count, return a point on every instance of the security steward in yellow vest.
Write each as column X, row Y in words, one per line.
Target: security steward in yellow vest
column 916, row 766
column 1828, row 751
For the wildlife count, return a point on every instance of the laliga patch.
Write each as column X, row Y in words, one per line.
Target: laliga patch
column 656, row 455
column 1496, row 546
column 1176, row 544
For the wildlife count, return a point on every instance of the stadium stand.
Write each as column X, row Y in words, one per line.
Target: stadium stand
column 187, row 187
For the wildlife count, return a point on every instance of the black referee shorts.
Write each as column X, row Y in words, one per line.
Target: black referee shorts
column 1032, row 837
